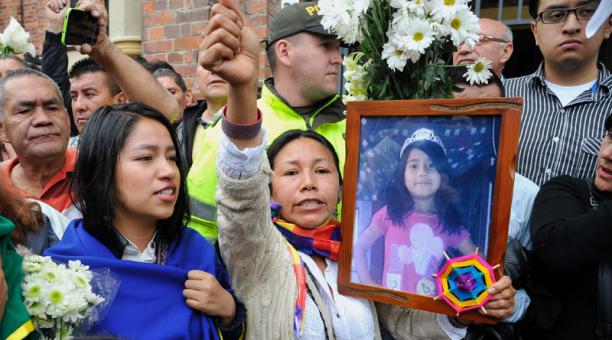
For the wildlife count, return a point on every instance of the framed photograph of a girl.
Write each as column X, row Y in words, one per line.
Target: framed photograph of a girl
column 424, row 178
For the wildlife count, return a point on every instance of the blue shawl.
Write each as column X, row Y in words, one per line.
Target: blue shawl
column 149, row 303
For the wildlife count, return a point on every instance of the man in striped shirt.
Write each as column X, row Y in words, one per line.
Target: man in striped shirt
column 568, row 97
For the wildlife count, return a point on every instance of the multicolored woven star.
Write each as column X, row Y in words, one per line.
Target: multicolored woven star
column 463, row 282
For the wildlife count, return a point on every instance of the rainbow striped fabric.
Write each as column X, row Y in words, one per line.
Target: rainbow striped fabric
column 323, row 241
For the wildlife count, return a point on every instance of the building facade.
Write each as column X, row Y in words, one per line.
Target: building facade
column 170, row 29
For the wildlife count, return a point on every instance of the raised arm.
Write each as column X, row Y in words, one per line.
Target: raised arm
column 230, row 49
column 54, row 56
column 135, row 81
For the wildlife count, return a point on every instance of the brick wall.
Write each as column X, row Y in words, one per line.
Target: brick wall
column 30, row 14
column 171, row 29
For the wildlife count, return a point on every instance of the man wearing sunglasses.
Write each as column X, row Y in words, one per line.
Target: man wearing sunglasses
column 568, row 97
column 495, row 44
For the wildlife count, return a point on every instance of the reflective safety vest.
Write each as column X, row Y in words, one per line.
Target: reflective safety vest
column 202, row 179
column 278, row 117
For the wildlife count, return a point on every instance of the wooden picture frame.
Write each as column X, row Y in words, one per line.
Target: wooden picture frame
column 479, row 139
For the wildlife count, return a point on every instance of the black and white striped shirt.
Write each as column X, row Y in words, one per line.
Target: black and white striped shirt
column 556, row 140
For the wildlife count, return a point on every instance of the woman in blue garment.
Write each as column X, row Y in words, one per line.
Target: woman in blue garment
column 129, row 185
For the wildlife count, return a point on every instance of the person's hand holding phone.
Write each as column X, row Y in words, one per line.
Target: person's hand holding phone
column 55, row 12
column 97, row 9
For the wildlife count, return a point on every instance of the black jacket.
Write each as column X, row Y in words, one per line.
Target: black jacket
column 570, row 238
column 55, row 65
column 186, row 130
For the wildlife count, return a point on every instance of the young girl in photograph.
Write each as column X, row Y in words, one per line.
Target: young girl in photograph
column 419, row 221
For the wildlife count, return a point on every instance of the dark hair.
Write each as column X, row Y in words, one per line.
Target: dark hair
column 271, row 54
column 166, row 72
column 399, row 201
column 533, row 8
column 22, row 73
column 290, row 135
column 94, row 175
column 456, row 73
column 143, row 62
column 159, row 64
column 271, row 50
column 87, row 65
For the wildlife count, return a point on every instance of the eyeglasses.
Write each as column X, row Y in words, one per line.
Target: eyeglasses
column 486, row 37
column 559, row 15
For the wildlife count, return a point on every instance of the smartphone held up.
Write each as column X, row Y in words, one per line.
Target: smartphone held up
column 80, row 27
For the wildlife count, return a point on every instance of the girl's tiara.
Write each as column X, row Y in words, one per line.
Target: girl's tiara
column 422, row 134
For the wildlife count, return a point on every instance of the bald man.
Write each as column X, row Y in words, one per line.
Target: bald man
column 495, row 44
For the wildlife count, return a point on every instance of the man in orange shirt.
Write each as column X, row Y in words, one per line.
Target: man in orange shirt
column 34, row 118
column 36, row 123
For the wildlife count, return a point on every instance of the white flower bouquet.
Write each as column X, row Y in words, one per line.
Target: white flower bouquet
column 15, row 40
column 58, row 297
column 406, row 45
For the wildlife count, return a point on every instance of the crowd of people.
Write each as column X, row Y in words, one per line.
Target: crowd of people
column 217, row 205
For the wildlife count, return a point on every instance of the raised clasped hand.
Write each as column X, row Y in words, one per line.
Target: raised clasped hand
column 230, row 47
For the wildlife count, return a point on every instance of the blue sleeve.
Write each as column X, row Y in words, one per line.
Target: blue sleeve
column 521, row 303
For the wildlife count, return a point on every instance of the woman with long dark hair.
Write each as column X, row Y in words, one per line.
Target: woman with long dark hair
column 130, row 188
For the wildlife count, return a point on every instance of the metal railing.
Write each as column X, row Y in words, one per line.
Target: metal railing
column 522, row 17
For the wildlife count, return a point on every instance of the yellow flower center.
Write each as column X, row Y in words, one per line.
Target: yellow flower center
column 456, row 23
column 56, row 296
column 50, row 276
column 418, row 36
column 449, row 2
column 81, row 281
column 34, row 291
column 479, row 67
column 398, row 53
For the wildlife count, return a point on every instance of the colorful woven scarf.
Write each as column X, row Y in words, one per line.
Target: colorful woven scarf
column 324, row 241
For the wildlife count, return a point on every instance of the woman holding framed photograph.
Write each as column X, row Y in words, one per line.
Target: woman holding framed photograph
column 282, row 257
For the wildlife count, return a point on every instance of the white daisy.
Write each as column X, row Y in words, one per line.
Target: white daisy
column 395, row 56
column 420, row 7
column 343, row 18
column 414, row 35
column 446, row 9
column 478, row 72
column 463, row 28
